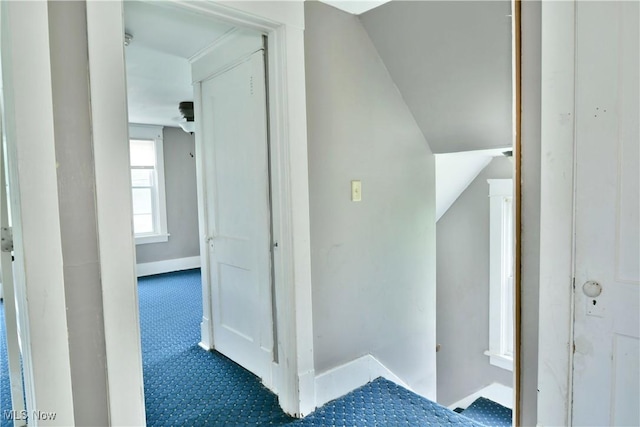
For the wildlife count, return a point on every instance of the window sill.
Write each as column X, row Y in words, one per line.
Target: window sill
column 500, row 360
column 152, row 238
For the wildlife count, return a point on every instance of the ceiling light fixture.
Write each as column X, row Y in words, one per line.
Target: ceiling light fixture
column 187, row 124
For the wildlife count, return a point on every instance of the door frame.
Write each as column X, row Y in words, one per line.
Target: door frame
column 557, row 169
column 283, row 23
column 516, row 50
column 30, row 143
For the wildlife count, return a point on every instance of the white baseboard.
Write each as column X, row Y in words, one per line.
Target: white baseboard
column 167, row 266
column 345, row 378
column 497, row 392
column 307, row 392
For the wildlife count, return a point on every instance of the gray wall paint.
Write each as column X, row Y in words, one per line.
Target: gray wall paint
column 78, row 220
column 463, row 291
column 373, row 262
column 531, row 89
column 182, row 202
column 451, row 61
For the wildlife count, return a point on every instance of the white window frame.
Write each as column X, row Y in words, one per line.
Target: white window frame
column 501, row 273
column 152, row 132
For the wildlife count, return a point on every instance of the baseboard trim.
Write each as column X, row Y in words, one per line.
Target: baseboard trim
column 307, row 392
column 167, row 266
column 497, row 392
column 343, row 379
column 204, row 346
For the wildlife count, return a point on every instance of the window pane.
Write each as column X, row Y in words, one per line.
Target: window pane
column 143, row 223
column 142, row 177
column 142, row 152
column 142, row 201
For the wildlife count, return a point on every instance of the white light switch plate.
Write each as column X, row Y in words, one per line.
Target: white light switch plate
column 356, row 191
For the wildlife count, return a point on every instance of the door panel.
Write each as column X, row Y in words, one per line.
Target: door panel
column 232, row 297
column 606, row 380
column 237, row 193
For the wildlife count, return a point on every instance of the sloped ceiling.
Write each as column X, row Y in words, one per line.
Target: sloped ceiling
column 451, row 61
column 454, row 173
column 355, row 7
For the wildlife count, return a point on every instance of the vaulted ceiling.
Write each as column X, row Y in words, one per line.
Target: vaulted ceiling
column 452, row 62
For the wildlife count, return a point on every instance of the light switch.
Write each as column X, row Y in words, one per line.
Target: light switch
column 356, row 191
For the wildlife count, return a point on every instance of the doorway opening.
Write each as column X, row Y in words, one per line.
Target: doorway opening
column 201, row 183
column 105, row 34
column 478, row 256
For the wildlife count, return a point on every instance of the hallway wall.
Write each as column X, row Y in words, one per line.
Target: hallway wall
column 373, row 262
column 463, row 291
column 181, row 199
column 530, row 238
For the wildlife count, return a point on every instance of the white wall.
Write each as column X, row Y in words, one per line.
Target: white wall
column 373, row 262
column 463, row 291
column 182, row 204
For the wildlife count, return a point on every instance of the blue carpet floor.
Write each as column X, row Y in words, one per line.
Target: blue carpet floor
column 488, row 413
column 5, row 390
column 183, row 384
column 187, row 386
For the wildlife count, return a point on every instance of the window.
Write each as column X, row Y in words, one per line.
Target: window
column 501, row 272
column 147, row 184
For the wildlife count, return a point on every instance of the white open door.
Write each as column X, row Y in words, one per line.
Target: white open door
column 232, row 111
column 607, row 279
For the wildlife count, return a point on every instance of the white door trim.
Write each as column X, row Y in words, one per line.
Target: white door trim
column 284, row 24
column 289, row 210
column 555, row 356
column 39, row 284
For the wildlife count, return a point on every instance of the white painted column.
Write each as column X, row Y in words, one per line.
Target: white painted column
column 105, row 29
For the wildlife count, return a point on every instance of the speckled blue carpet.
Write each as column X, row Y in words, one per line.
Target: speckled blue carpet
column 187, row 386
column 183, row 384
column 488, row 413
column 5, row 391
